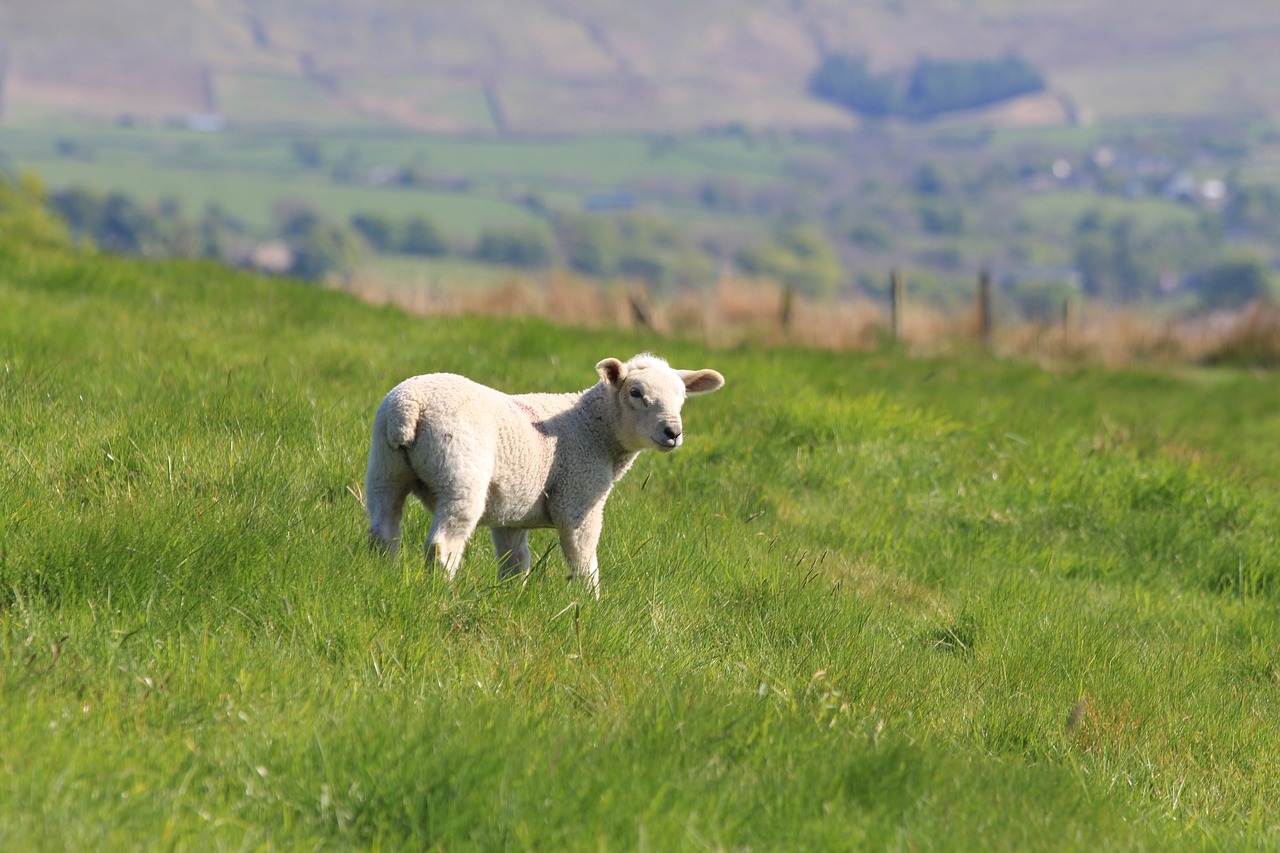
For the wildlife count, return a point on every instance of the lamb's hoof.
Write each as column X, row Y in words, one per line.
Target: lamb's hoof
column 380, row 546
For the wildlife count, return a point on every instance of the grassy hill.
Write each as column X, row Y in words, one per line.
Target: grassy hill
column 557, row 65
column 874, row 601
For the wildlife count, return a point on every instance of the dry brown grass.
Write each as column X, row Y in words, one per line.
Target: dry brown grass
column 739, row 310
column 1117, row 337
column 1252, row 340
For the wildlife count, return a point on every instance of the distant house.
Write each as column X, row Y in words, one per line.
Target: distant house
column 273, row 256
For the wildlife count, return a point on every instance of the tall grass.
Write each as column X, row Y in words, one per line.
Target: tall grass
column 875, row 602
column 739, row 310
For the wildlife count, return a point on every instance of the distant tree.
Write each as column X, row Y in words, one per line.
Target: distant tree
column 377, row 229
column 937, row 87
column 871, row 235
column 72, row 149
column 1234, row 283
column 119, row 223
column 589, row 243
column 347, row 168
column 634, row 244
column 320, row 247
column 307, row 153
column 1253, row 210
column 422, row 236
column 295, row 219
column 799, row 257
column 724, row 195
column 218, row 230
column 930, row 180
column 413, row 175
column 932, row 88
column 80, row 208
column 520, row 247
column 651, row 267
column 125, row 226
column 941, row 218
column 646, row 231
column 845, row 80
column 1110, row 259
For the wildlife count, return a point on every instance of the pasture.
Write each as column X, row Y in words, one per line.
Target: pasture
column 249, row 173
column 874, row 601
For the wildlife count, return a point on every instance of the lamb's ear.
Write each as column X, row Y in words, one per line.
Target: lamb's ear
column 612, row 372
column 701, row 381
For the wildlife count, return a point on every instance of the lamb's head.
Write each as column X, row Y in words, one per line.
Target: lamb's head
column 648, row 394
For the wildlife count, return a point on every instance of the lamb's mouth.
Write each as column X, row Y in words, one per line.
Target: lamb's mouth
column 666, row 445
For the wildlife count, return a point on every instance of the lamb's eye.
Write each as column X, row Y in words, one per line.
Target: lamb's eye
column 637, row 393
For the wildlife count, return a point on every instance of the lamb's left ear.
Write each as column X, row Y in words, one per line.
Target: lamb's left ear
column 612, row 372
column 701, row 381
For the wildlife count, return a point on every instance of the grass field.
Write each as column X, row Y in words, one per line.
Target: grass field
column 875, row 602
column 250, row 173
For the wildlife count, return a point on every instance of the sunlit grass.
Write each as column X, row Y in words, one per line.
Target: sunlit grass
column 874, row 602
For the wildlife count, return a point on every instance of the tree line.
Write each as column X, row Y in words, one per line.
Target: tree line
column 932, row 87
column 632, row 244
column 1116, row 257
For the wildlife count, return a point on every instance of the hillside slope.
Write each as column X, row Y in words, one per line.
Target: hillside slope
column 873, row 602
column 552, row 65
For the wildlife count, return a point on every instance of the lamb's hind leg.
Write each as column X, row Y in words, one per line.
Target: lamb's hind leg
column 388, row 482
column 512, row 548
column 454, row 520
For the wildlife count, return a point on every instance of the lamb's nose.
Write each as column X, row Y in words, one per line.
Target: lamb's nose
column 671, row 433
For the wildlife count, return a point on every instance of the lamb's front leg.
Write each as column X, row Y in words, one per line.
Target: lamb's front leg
column 512, row 548
column 578, row 542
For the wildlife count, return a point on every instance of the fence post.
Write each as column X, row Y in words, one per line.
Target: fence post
column 897, row 300
column 984, row 306
column 1070, row 316
column 784, row 314
column 639, row 314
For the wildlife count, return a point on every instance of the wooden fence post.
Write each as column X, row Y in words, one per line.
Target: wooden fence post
column 897, row 300
column 784, row 314
column 1070, row 316
column 984, row 306
column 639, row 314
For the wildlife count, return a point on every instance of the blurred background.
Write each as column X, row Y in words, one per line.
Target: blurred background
column 714, row 168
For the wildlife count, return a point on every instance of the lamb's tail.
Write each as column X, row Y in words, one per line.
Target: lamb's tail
column 397, row 420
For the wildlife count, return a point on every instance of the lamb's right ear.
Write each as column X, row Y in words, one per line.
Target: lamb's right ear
column 701, row 381
column 612, row 372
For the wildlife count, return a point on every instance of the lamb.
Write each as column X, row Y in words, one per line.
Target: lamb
column 476, row 456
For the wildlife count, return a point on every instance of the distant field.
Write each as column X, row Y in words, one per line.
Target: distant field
column 560, row 66
column 249, row 173
column 254, row 198
column 1059, row 211
column 279, row 100
column 995, row 206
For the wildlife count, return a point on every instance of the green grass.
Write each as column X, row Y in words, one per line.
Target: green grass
column 874, row 603
column 1060, row 211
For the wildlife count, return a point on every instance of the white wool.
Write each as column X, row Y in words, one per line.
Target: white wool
column 478, row 457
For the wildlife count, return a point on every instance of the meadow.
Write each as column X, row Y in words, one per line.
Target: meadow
column 875, row 601
column 250, row 172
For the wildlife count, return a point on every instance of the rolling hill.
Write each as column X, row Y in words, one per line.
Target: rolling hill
column 572, row 65
column 875, row 602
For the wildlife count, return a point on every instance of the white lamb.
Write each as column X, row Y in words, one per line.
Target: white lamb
column 476, row 456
